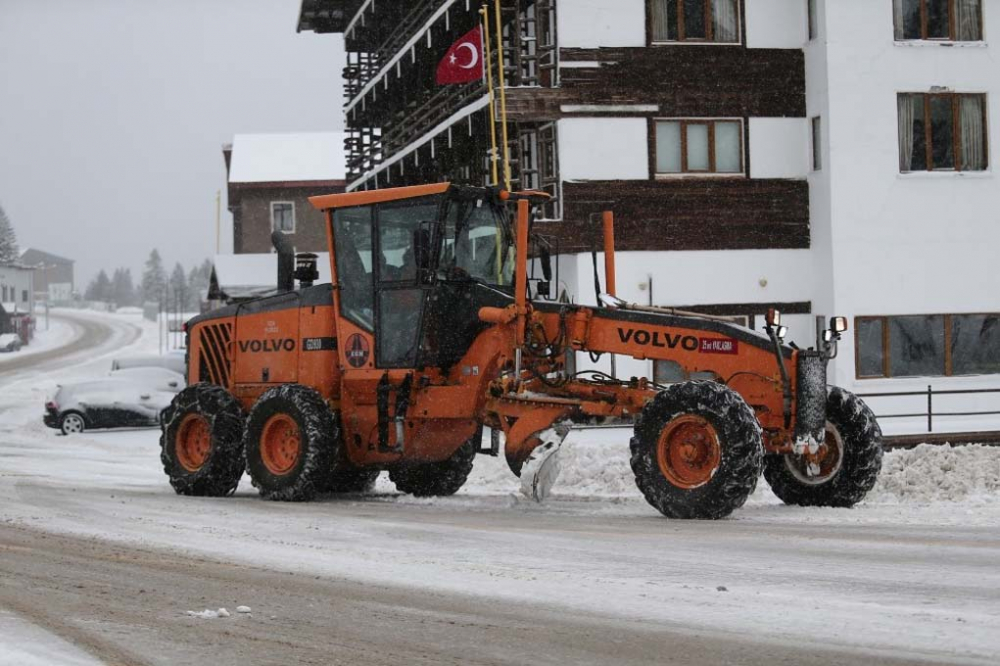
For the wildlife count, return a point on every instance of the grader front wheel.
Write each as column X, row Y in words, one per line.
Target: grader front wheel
column 697, row 451
column 289, row 443
column 844, row 467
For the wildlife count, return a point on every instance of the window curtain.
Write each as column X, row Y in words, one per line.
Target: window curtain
column 906, row 118
column 661, row 21
column 967, row 20
column 725, row 20
column 899, row 20
column 973, row 133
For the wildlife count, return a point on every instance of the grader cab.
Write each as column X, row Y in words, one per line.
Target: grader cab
column 427, row 333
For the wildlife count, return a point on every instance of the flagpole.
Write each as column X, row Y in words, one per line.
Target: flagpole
column 484, row 11
column 503, row 97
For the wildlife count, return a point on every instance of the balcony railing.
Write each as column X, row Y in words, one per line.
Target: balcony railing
column 927, row 398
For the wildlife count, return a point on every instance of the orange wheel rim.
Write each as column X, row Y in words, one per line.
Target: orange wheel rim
column 688, row 451
column 280, row 444
column 194, row 442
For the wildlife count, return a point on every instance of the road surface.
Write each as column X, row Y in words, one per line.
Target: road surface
column 91, row 335
column 125, row 605
column 97, row 550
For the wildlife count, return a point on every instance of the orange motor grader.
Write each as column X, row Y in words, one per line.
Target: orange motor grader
column 428, row 332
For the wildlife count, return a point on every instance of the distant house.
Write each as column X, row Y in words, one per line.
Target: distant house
column 53, row 274
column 271, row 177
column 17, row 299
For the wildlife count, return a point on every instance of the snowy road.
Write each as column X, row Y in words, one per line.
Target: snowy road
column 595, row 576
column 87, row 335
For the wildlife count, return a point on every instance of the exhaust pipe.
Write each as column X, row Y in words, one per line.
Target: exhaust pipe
column 286, row 261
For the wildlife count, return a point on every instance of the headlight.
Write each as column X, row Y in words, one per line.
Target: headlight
column 838, row 324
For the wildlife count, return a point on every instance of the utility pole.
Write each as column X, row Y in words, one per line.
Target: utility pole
column 218, row 221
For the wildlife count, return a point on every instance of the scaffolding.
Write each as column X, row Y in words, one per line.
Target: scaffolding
column 393, row 102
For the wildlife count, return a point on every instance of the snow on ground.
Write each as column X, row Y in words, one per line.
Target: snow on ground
column 24, row 644
column 60, row 332
column 911, row 571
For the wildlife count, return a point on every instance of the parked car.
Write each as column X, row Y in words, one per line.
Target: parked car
column 10, row 342
column 174, row 360
column 129, row 398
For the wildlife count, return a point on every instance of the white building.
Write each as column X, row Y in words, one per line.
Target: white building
column 17, row 288
column 820, row 156
column 908, row 252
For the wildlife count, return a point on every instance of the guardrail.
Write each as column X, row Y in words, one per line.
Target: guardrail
column 930, row 414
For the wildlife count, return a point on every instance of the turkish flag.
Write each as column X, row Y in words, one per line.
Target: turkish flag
column 463, row 62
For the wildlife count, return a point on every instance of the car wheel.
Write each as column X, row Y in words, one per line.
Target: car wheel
column 72, row 423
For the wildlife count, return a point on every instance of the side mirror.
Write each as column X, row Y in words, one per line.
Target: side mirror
column 773, row 318
column 838, row 324
column 545, row 256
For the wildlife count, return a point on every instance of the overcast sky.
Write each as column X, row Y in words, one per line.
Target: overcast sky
column 113, row 114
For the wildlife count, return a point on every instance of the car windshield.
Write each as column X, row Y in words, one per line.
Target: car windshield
column 477, row 243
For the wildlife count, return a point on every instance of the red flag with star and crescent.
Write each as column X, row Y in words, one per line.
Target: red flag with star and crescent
column 463, row 62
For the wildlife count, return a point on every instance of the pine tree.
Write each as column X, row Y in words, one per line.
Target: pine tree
column 99, row 288
column 9, row 251
column 178, row 286
column 122, row 290
column 154, row 278
column 198, row 280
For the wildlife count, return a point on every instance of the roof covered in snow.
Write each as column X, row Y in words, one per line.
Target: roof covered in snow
column 241, row 276
column 32, row 257
column 276, row 158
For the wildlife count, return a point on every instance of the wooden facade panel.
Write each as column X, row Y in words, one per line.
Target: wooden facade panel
column 685, row 214
column 689, row 81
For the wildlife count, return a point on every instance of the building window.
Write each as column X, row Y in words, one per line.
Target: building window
column 927, row 345
column 24, row 295
column 813, row 18
column 283, row 216
column 942, row 132
column 4, row 298
column 699, row 147
column 817, row 143
column 945, row 20
column 695, row 21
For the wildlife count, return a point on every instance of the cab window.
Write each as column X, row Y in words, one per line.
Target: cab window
column 404, row 238
column 477, row 244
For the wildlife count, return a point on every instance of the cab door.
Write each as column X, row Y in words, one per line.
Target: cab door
column 402, row 278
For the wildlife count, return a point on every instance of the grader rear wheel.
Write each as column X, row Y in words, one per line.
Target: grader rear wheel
column 697, row 451
column 440, row 478
column 342, row 476
column 200, row 445
column 289, row 443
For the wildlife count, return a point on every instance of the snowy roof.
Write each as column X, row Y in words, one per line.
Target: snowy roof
column 33, row 256
column 249, row 275
column 19, row 308
column 275, row 158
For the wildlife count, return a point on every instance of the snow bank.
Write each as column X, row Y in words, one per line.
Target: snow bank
column 933, row 473
column 595, row 465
